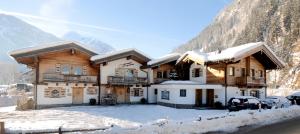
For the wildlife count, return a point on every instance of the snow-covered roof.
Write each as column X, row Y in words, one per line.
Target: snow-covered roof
column 233, row 53
column 49, row 46
column 165, row 58
column 179, row 82
column 120, row 52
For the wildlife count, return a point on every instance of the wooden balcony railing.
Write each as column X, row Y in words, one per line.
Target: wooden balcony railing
column 54, row 77
column 250, row 81
column 120, row 80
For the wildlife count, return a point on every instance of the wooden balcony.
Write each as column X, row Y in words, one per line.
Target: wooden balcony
column 55, row 77
column 120, row 80
column 250, row 81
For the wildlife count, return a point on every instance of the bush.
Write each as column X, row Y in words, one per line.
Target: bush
column 143, row 101
column 92, row 101
column 219, row 105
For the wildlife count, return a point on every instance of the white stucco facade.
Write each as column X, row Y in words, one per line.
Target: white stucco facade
column 67, row 98
column 110, row 68
column 202, row 78
column 189, row 99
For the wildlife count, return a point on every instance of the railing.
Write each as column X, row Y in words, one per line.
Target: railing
column 53, row 77
column 250, row 81
column 119, row 80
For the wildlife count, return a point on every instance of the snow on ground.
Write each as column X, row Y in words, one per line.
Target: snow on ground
column 227, row 122
column 7, row 109
column 139, row 119
column 95, row 117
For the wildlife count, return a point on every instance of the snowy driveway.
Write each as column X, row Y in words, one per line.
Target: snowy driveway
column 92, row 117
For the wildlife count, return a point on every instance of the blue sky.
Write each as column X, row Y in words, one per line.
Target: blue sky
column 153, row 26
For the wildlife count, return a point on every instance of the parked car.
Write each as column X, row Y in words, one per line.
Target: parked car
column 294, row 98
column 277, row 102
column 244, row 102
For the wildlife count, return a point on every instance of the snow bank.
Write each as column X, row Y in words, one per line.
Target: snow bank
column 139, row 119
column 228, row 122
column 8, row 100
column 124, row 117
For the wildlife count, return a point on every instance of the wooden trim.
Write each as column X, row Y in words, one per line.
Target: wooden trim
column 99, row 86
column 37, row 78
column 225, row 79
column 54, row 49
column 2, row 128
column 133, row 54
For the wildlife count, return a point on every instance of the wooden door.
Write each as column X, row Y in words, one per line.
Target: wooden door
column 77, row 95
column 198, row 98
column 121, row 95
column 210, row 97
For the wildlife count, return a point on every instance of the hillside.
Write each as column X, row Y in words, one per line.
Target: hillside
column 91, row 42
column 15, row 34
column 276, row 22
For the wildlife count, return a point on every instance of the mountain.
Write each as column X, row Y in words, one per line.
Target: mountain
column 15, row 34
column 89, row 41
column 276, row 22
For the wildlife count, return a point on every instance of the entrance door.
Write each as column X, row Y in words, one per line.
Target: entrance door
column 198, row 98
column 210, row 95
column 77, row 96
column 121, row 95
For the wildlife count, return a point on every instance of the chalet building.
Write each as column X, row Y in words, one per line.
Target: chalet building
column 63, row 73
column 122, row 77
column 201, row 79
column 67, row 73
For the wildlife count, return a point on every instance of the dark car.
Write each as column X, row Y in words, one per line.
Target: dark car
column 244, row 102
column 294, row 98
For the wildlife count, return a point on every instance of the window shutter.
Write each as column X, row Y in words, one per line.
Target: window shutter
column 118, row 72
column 201, row 72
column 131, row 92
column 135, row 73
column 57, row 68
column 193, row 73
column 84, row 70
column 141, row 92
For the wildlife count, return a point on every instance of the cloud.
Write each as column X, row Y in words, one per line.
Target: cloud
column 57, row 26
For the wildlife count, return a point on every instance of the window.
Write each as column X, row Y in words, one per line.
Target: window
column 254, row 93
column 242, row 92
column 129, row 73
column 159, row 74
column 165, row 74
column 260, row 73
column 66, row 69
column 155, row 91
column 182, row 93
column 252, row 72
column 55, row 93
column 57, row 68
column 197, row 72
column 231, row 71
column 77, row 70
column 243, row 72
column 136, row 92
column 165, row 95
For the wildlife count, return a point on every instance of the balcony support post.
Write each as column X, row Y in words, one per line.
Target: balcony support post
column 37, row 67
